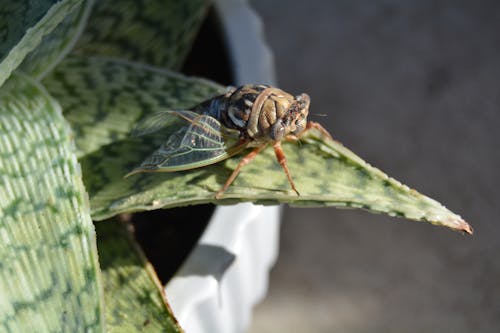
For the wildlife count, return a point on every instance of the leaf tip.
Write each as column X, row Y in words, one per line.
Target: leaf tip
column 465, row 227
column 460, row 225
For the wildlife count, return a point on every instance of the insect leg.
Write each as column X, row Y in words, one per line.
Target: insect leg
column 312, row 124
column 244, row 161
column 280, row 155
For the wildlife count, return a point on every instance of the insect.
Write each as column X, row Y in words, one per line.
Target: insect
column 250, row 116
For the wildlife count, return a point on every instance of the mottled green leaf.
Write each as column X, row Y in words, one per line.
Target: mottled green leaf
column 134, row 296
column 155, row 32
column 48, row 256
column 326, row 173
column 58, row 43
column 23, row 25
column 16, row 18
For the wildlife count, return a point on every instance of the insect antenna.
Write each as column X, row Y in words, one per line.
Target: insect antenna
column 318, row 114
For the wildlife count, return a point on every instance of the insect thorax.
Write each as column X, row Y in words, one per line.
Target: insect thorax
column 253, row 109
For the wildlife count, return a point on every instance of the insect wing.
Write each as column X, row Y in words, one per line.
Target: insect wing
column 203, row 142
column 161, row 120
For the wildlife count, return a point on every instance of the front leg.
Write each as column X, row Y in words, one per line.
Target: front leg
column 280, row 155
column 313, row 124
column 310, row 124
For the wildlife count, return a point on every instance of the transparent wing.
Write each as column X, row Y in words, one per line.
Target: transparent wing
column 204, row 141
column 161, row 120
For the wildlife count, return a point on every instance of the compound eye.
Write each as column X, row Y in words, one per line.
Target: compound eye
column 277, row 131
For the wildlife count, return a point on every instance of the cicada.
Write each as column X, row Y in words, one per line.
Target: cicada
column 250, row 116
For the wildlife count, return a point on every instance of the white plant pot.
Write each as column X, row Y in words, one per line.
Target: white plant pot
column 227, row 272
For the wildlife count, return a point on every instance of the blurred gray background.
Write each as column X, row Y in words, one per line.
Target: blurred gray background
column 413, row 87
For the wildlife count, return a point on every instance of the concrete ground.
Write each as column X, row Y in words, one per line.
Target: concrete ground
column 414, row 88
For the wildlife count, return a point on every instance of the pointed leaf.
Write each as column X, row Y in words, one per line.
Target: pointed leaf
column 23, row 25
column 49, row 275
column 156, row 32
column 326, row 173
column 134, row 296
